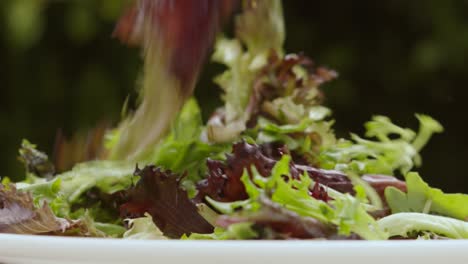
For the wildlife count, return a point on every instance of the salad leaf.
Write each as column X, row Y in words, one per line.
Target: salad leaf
column 19, row 215
column 304, row 139
column 294, row 194
column 140, row 132
column 207, row 213
column 352, row 217
column 68, row 188
column 276, row 222
column 261, row 26
column 289, row 86
column 159, row 194
column 173, row 55
column 288, row 177
column 143, row 228
column 80, row 147
column 183, row 150
column 407, row 224
column 346, row 212
column 35, row 161
column 104, row 229
column 87, row 227
column 381, row 182
column 237, row 231
column 423, row 199
column 261, row 29
column 386, row 154
column 428, row 127
column 224, row 183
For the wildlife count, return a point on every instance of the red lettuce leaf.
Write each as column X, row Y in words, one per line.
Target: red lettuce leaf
column 275, row 222
column 18, row 214
column 80, row 147
column 279, row 74
column 172, row 22
column 381, row 182
column 175, row 37
column 223, row 182
column 159, row 193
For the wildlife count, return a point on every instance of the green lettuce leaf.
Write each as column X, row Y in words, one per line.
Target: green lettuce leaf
column 423, row 199
column 85, row 225
column 207, row 213
column 238, row 231
column 346, row 212
column 109, row 230
column 299, row 137
column 183, row 150
column 68, row 188
column 143, row 228
column 351, row 217
column 408, row 224
column 261, row 26
column 395, row 148
column 261, row 29
column 36, row 163
column 21, row 214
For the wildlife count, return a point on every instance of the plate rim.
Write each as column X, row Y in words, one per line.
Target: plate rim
column 106, row 249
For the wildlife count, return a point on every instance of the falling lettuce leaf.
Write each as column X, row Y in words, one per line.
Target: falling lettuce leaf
column 261, row 26
column 261, row 29
column 173, row 54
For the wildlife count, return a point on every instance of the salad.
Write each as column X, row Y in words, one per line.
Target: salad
column 266, row 165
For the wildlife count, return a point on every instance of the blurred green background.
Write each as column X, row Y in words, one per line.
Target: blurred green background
column 60, row 69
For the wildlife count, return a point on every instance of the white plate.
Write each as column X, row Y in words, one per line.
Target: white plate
column 65, row 250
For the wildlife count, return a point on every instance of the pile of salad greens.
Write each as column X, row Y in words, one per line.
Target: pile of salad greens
column 267, row 165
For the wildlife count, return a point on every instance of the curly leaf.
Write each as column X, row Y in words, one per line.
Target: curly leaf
column 406, row 224
column 159, row 193
column 423, row 199
column 19, row 215
column 143, row 228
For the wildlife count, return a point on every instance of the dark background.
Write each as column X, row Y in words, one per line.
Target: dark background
column 59, row 68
